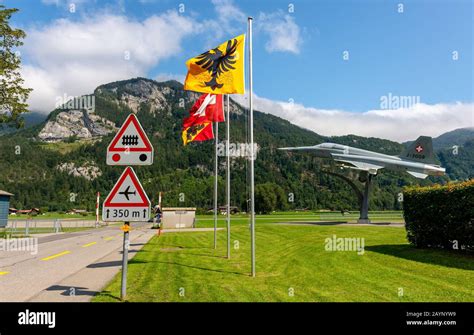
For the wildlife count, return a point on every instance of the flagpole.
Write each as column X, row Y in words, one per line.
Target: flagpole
column 228, row 175
column 216, row 173
column 252, row 153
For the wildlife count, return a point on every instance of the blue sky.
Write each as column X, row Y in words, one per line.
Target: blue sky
column 298, row 54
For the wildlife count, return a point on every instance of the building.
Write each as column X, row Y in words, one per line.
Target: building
column 77, row 211
column 32, row 211
column 4, row 207
column 178, row 217
column 233, row 210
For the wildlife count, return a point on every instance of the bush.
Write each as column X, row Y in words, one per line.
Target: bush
column 440, row 216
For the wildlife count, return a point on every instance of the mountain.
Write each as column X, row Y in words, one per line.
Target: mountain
column 31, row 119
column 457, row 137
column 60, row 163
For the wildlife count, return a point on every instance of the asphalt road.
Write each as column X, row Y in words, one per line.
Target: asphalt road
column 67, row 267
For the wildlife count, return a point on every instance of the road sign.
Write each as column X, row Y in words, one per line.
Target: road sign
column 127, row 201
column 130, row 145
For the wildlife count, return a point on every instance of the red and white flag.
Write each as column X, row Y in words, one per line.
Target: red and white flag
column 210, row 106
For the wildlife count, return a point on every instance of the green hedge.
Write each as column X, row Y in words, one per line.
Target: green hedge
column 437, row 216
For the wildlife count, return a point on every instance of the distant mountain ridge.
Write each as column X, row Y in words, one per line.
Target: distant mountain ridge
column 451, row 138
column 455, row 137
column 58, row 158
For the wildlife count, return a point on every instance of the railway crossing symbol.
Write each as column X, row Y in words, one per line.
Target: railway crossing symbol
column 127, row 201
column 130, row 145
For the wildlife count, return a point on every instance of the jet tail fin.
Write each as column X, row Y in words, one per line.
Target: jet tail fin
column 421, row 150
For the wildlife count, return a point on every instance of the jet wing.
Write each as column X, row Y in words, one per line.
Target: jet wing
column 418, row 174
column 371, row 168
column 298, row 148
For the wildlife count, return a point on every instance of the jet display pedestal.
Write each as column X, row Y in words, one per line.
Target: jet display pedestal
column 364, row 210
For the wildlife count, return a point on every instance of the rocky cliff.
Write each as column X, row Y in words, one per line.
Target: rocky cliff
column 82, row 124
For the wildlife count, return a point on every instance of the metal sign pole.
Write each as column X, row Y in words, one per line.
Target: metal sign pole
column 126, row 243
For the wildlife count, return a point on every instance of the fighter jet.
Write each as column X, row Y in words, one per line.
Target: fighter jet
column 417, row 160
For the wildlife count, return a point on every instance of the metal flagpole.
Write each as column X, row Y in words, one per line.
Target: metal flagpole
column 216, row 173
column 227, row 151
column 252, row 153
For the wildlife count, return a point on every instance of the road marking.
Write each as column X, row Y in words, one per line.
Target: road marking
column 4, row 273
column 57, row 255
column 89, row 244
column 108, row 238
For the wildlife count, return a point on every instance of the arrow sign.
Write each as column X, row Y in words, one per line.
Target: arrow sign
column 127, row 201
column 130, row 145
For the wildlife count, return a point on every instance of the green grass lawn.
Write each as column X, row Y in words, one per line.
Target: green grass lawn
column 382, row 216
column 293, row 259
column 375, row 216
column 53, row 216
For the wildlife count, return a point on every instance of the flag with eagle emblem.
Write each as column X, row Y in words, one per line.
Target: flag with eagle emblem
column 219, row 70
column 197, row 128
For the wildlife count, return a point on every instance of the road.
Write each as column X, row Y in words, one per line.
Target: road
column 67, row 267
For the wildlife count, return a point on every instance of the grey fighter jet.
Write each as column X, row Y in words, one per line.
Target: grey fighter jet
column 417, row 160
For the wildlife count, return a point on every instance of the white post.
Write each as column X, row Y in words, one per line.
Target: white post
column 97, row 210
column 227, row 151
column 216, row 173
column 252, row 153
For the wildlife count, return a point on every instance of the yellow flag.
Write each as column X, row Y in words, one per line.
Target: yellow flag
column 218, row 71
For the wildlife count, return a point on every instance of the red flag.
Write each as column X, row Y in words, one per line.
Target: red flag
column 197, row 128
column 209, row 105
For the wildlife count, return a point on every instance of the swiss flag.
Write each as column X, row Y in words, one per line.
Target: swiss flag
column 210, row 106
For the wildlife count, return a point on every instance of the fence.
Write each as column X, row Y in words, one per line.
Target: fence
column 33, row 226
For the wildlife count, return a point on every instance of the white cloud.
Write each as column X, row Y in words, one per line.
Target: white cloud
column 74, row 57
column 283, row 32
column 63, row 3
column 228, row 14
column 399, row 125
column 170, row 76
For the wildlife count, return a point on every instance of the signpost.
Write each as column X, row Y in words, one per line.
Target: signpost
column 126, row 244
column 130, row 145
column 128, row 201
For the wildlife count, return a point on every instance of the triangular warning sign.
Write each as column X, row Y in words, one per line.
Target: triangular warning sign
column 130, row 137
column 127, row 192
column 130, row 145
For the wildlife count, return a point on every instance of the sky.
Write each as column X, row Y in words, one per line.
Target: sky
column 383, row 68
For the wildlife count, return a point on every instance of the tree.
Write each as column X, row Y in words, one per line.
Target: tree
column 265, row 198
column 13, row 95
